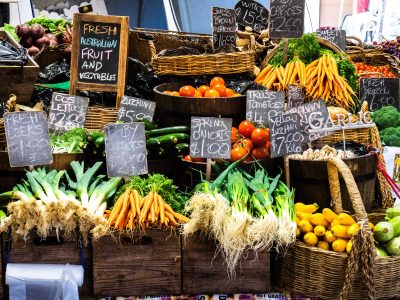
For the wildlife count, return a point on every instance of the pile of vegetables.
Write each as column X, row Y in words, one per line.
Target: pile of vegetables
column 388, row 121
column 387, row 233
column 242, row 213
column 364, row 70
column 52, row 199
column 141, row 205
column 71, row 141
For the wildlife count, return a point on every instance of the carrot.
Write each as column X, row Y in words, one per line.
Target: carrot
column 180, row 217
column 263, row 73
column 117, row 207
column 269, row 76
column 279, row 75
column 162, row 212
column 313, row 64
column 123, row 211
column 132, row 203
column 293, row 76
column 171, row 218
column 271, row 80
column 152, row 212
column 146, row 206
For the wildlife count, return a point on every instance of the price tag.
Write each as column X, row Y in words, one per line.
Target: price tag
column 262, row 105
column 28, row 141
column 223, row 27
column 133, row 109
column 286, row 19
column 285, row 134
column 210, row 137
column 333, row 35
column 67, row 112
column 126, row 153
column 252, row 14
column 380, row 92
column 295, row 96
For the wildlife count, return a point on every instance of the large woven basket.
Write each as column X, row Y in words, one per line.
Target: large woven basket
column 204, row 64
column 139, row 46
column 324, row 274
column 98, row 116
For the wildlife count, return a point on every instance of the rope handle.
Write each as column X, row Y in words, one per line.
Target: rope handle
column 360, row 43
column 152, row 50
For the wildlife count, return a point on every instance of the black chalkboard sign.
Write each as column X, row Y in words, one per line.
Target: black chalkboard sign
column 126, row 153
column 262, row 105
column 312, row 113
column 223, row 26
column 99, row 52
column 286, row 19
column 333, row 35
column 28, row 141
column 252, row 14
column 285, row 134
column 295, row 95
column 133, row 109
column 379, row 92
column 67, row 112
column 210, row 137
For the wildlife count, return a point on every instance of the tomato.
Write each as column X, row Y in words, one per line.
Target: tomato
column 198, row 94
column 187, row 158
column 187, row 91
column 234, row 135
column 167, row 92
column 237, row 153
column 203, row 89
column 174, row 93
column 229, row 92
column 212, row 94
column 247, row 144
column 259, row 136
column 260, row 152
column 246, row 128
column 221, row 89
column 216, row 80
column 268, row 145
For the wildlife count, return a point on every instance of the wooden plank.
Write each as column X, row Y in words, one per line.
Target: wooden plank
column 202, row 273
column 147, row 265
column 49, row 252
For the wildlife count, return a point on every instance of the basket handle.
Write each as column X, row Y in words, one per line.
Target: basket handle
column 360, row 43
column 152, row 50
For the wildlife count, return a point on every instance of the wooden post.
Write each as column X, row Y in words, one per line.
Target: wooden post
column 208, row 170
column 285, row 51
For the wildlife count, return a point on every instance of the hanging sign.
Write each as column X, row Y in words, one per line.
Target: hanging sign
column 333, row 35
column 223, row 26
column 286, row 19
column 252, row 14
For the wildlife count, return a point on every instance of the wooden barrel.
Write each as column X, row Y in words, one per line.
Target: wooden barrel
column 310, row 180
column 174, row 110
column 9, row 176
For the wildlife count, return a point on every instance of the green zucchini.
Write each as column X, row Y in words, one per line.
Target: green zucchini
column 168, row 140
column 99, row 142
column 167, row 130
column 182, row 148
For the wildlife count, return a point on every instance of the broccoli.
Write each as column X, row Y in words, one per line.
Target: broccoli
column 72, row 141
column 391, row 136
column 386, row 117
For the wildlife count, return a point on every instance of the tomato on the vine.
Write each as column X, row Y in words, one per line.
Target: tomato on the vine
column 260, row 152
column 259, row 136
column 247, row 144
column 246, row 128
column 234, row 135
column 237, row 153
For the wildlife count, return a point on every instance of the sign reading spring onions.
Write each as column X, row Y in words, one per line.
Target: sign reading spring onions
column 126, row 153
column 28, row 141
column 210, row 137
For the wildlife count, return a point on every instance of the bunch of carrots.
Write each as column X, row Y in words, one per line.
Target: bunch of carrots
column 279, row 78
column 131, row 210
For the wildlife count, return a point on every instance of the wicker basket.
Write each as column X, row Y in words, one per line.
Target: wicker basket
column 139, row 46
column 3, row 143
column 192, row 65
column 98, row 116
column 324, row 274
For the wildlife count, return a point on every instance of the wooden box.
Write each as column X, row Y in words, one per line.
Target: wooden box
column 147, row 264
column 205, row 273
column 17, row 80
column 52, row 250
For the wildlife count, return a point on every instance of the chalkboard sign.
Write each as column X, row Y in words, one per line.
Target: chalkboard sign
column 223, row 26
column 133, row 109
column 262, row 105
column 99, row 53
column 286, row 19
column 210, row 137
column 28, row 141
column 285, row 134
column 295, row 96
column 252, row 14
column 379, row 92
column 126, row 153
column 67, row 112
column 314, row 113
column 333, row 35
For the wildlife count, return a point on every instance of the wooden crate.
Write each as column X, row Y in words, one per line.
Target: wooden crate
column 148, row 264
column 50, row 251
column 17, row 80
column 205, row 274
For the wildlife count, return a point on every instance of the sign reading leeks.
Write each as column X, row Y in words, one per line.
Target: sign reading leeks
column 28, row 141
column 99, row 53
column 286, row 19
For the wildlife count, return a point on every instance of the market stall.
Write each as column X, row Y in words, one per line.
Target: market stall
column 249, row 162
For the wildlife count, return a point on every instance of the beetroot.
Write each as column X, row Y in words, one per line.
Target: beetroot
column 42, row 42
column 37, row 31
column 50, row 36
column 53, row 43
column 26, row 42
column 23, row 30
column 33, row 50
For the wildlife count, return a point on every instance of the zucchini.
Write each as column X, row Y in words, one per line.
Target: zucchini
column 182, row 148
column 168, row 140
column 167, row 130
column 99, row 142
